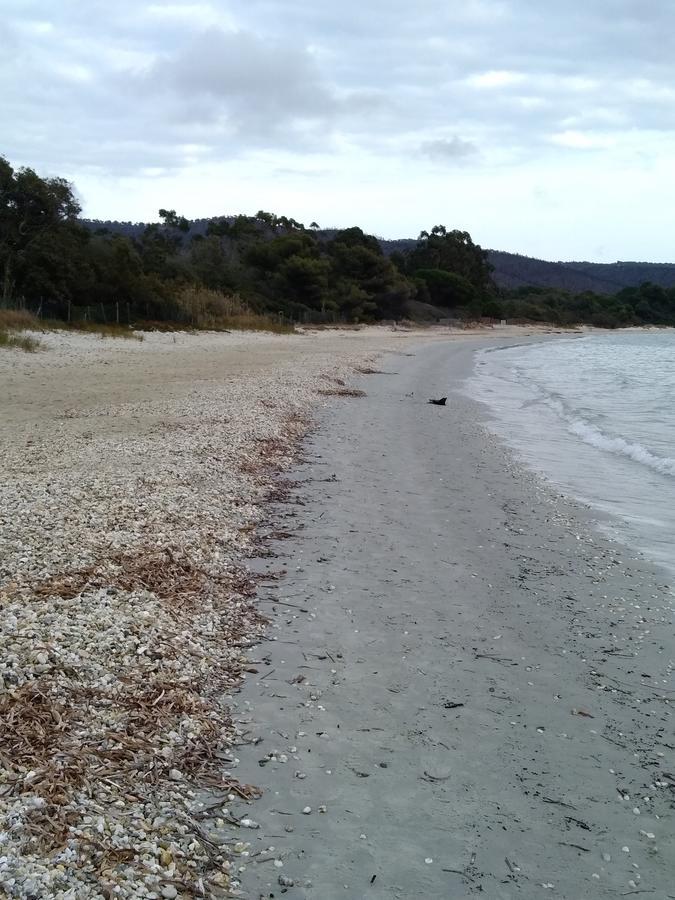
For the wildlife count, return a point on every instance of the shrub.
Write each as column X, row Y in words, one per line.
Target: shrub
column 21, row 342
column 201, row 307
column 18, row 320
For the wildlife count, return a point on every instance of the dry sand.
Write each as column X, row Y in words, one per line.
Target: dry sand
column 466, row 689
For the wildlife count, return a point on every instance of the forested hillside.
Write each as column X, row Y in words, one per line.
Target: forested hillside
column 514, row 271
column 509, row 270
column 199, row 273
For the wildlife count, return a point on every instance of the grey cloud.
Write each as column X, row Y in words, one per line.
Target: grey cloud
column 8, row 42
column 452, row 150
column 126, row 86
column 245, row 82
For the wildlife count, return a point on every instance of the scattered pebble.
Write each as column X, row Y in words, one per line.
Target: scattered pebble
column 109, row 529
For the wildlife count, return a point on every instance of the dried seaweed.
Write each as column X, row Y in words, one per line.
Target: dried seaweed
column 115, row 669
column 342, row 392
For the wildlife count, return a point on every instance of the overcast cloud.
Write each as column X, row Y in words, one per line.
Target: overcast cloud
column 546, row 128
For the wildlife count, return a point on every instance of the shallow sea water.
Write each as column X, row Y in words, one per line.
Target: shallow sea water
column 596, row 416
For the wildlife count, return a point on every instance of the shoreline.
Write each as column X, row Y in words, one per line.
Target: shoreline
column 117, row 455
column 581, row 440
column 136, row 478
column 465, row 685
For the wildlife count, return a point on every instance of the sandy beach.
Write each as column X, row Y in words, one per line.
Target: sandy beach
column 467, row 689
column 135, row 478
column 465, row 686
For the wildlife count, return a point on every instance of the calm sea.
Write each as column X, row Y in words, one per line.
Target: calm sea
column 596, row 416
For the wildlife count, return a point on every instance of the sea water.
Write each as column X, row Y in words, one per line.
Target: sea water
column 596, row 416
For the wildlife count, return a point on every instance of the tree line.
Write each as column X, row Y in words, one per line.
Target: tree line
column 53, row 264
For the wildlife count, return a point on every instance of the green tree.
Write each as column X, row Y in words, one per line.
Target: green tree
column 448, row 288
column 118, row 271
column 161, row 244
column 209, row 263
column 367, row 285
column 31, row 209
column 55, row 270
column 451, row 251
column 172, row 220
column 304, row 280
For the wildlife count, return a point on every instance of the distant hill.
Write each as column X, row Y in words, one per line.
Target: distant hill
column 511, row 270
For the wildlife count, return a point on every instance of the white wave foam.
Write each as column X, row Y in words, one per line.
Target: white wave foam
column 500, row 372
column 590, row 434
column 596, row 437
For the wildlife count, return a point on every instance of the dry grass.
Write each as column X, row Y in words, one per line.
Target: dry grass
column 253, row 322
column 211, row 310
column 195, row 309
column 23, row 342
column 332, row 326
column 18, row 320
column 13, row 320
column 109, row 330
column 204, row 308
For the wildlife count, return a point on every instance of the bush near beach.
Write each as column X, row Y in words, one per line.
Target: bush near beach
column 260, row 271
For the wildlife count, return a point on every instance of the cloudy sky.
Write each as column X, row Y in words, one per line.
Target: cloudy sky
column 541, row 126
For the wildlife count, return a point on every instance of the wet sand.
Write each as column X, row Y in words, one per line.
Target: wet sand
column 466, row 684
